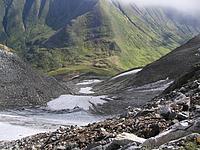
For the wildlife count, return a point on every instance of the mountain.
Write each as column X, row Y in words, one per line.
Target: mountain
column 171, row 66
column 99, row 36
column 21, row 86
column 170, row 121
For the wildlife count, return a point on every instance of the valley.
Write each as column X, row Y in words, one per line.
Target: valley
column 99, row 75
column 67, row 110
column 67, row 37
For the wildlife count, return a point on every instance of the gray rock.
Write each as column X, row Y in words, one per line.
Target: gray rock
column 100, row 147
column 181, row 98
column 182, row 116
column 177, row 131
column 20, row 85
column 176, row 143
column 183, row 89
column 127, row 138
column 163, row 138
column 165, row 111
column 132, row 146
column 61, row 148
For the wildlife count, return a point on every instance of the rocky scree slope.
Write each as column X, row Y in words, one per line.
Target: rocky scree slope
column 169, row 121
column 171, row 66
column 21, row 86
column 100, row 36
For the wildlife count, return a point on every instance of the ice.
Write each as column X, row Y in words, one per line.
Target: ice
column 10, row 132
column 16, row 124
column 48, row 120
column 72, row 101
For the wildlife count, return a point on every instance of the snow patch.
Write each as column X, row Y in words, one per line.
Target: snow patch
column 47, row 120
column 10, row 132
column 127, row 73
column 88, row 82
column 156, row 86
column 73, row 101
column 86, row 90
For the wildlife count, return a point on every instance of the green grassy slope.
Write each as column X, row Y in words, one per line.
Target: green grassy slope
column 100, row 36
column 147, row 33
column 181, row 62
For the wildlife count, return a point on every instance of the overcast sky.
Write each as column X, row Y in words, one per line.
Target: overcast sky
column 192, row 6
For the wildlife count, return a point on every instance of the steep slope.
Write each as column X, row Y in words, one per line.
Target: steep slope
column 170, row 121
column 101, row 36
column 175, row 64
column 21, row 86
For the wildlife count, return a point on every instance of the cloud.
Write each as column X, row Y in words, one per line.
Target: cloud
column 191, row 6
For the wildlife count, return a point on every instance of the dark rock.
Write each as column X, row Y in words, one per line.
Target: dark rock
column 183, row 90
column 20, row 85
column 165, row 111
column 182, row 143
column 182, row 116
column 113, row 146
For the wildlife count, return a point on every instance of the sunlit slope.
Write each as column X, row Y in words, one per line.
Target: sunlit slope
column 100, row 36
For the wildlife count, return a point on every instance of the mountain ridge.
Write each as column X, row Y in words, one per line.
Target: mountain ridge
column 172, row 66
column 107, row 36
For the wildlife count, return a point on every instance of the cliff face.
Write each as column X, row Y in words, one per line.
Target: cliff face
column 103, row 35
column 21, row 86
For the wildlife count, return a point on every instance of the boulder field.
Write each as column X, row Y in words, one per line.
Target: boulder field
column 169, row 121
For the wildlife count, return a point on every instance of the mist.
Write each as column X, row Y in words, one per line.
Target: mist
column 189, row 6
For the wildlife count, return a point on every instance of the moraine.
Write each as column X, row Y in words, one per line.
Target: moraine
column 63, row 111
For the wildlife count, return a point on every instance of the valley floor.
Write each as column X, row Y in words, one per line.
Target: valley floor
column 80, row 109
column 167, row 122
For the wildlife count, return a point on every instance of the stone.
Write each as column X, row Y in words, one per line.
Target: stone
column 196, row 126
column 126, row 138
column 180, row 143
column 177, row 131
column 100, row 147
column 182, row 116
column 163, row 138
column 61, row 148
column 181, row 98
column 197, row 107
column 94, row 146
column 165, row 111
column 183, row 89
column 113, row 146
column 195, row 84
column 132, row 146
column 198, row 139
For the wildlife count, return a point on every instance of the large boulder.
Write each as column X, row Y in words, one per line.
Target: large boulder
column 177, row 131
